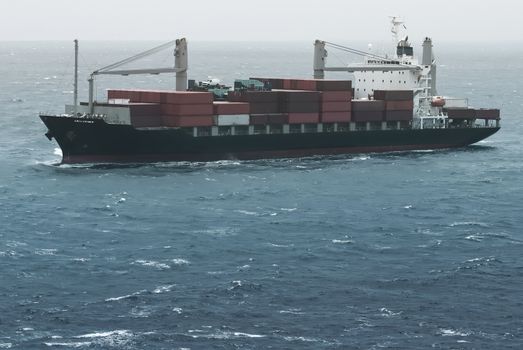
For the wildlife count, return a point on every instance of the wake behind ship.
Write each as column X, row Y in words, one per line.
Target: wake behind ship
column 391, row 104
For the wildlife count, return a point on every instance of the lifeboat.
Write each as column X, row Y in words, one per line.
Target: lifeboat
column 438, row 101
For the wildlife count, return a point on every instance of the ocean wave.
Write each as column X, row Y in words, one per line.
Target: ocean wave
column 151, row 263
column 198, row 333
column 453, row 333
column 69, row 344
column 128, row 296
column 163, row 289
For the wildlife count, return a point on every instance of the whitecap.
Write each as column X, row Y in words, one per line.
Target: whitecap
column 245, row 212
column 342, row 241
column 281, row 245
column 303, row 339
column 288, row 209
column 179, row 261
column 6, row 345
column 69, row 345
column 453, row 333
column 387, row 313
column 224, row 335
column 235, row 285
column 163, row 289
column 407, row 207
column 178, row 310
column 81, row 259
column 151, row 263
column 126, row 296
column 292, row 312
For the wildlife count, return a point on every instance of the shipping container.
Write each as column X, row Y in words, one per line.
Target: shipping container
column 221, row 107
column 367, row 116
column 298, row 96
column 399, row 105
column 278, row 118
column 258, row 119
column 144, row 109
column 336, row 96
column 368, row 105
column 146, row 121
column 264, row 107
column 404, row 115
column 274, row 83
column 187, row 109
column 187, row 121
column 303, row 118
column 460, row 113
column 333, row 85
column 393, row 95
column 487, row 113
column 335, row 117
column 229, row 120
column 336, row 106
column 301, row 107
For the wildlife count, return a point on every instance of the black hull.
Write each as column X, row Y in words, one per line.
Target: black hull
column 92, row 141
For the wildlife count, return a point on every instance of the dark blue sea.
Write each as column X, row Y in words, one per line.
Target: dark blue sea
column 406, row 250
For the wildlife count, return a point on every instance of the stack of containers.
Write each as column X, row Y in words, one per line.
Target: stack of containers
column 265, row 106
column 176, row 108
column 368, row 110
column 399, row 104
column 303, row 107
column 145, row 114
column 187, row 109
column 336, row 106
column 231, row 113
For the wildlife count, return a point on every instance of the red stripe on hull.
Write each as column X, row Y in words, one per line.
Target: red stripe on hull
column 296, row 153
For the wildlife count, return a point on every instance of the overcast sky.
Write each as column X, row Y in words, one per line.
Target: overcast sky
column 263, row 20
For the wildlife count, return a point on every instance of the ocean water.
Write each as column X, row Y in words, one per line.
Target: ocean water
column 402, row 250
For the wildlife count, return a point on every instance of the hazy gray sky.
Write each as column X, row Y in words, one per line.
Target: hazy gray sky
column 267, row 20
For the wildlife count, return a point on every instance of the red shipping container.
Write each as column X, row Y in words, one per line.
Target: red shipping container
column 259, row 119
column 187, row 109
column 336, row 106
column 304, row 118
column 487, row 113
column 368, row 105
column 187, row 121
column 187, row 97
column 146, row 121
column 335, row 96
column 461, row 113
column 144, row 109
column 336, row 117
column 399, row 105
column 231, row 108
column 305, row 85
column 151, row 96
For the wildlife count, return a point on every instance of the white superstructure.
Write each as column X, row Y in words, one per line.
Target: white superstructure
column 399, row 70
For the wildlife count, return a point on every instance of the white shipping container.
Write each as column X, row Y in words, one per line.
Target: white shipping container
column 233, row 119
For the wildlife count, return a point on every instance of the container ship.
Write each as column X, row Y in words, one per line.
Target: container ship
column 390, row 104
